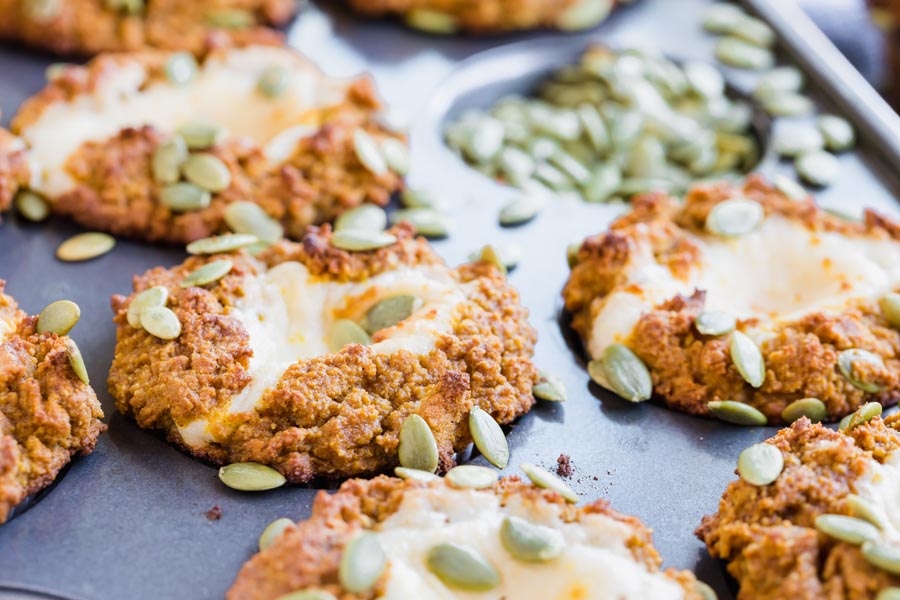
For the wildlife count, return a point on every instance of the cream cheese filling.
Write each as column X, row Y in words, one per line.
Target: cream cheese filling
column 224, row 92
column 777, row 273
column 880, row 484
column 287, row 313
column 6, row 327
column 596, row 564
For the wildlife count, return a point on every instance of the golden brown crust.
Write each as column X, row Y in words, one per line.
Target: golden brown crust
column 307, row 555
column 333, row 415
column 689, row 370
column 767, row 534
column 14, row 170
column 47, row 415
column 91, row 26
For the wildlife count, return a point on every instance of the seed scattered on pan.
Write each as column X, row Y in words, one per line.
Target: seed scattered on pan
column 863, row 414
column 167, row 160
column 846, row 529
column 542, row 478
column 790, row 187
column 58, row 317
column 272, row 532
column 740, row 54
column 520, row 210
column 779, row 80
column 273, row 81
column 461, row 567
column 415, row 474
column 208, row 273
column 362, row 563
column 396, row 155
column 788, row 104
column 309, row 595
column 735, row 217
column 365, row 217
column 207, row 171
column 432, row 21
column 32, row 206
column 857, row 365
column 760, row 464
column 715, row 322
column 818, row 168
column 418, row 448
column 736, row 413
column 199, row 135
column 161, row 322
column 624, row 373
column 344, row 332
column 230, row 18
column 882, row 554
column 221, row 243
column 155, row 296
column 890, row 307
column 867, row 510
column 181, row 68
column 85, row 246
column 248, row 217
column 747, row 358
column 250, row 477
column 489, row 255
column 838, row 133
column 358, row 240
column 422, row 198
column 184, row 197
column 584, row 14
column 368, row 153
column 529, row 542
column 549, row 387
column 811, row 408
column 76, row 361
column 426, row 221
column 471, row 476
column 390, row 311
column 797, row 141
column 488, row 437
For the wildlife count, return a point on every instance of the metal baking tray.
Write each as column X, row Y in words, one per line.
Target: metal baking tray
column 129, row 520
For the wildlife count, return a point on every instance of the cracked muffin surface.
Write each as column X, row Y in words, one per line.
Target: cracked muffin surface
column 605, row 555
column 47, row 414
column 256, row 376
column 806, row 287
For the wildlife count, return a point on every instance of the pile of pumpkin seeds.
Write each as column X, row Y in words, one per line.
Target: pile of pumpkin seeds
column 59, row 318
column 148, row 311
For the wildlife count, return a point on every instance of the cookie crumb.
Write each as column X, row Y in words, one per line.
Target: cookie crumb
column 215, row 513
column 564, row 466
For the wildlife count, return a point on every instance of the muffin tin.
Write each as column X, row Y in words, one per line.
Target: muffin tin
column 130, row 520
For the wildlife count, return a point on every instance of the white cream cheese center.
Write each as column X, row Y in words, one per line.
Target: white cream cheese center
column 881, row 486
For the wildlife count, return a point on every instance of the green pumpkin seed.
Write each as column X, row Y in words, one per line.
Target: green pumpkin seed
column 181, row 68
column 43, row 11
column 273, row 81
column 248, row 217
column 722, row 18
column 358, row 240
column 422, row 198
column 838, row 133
column 418, row 448
column 128, row 7
column 55, row 71
column 704, row 591
column 390, row 311
column 811, row 408
column 748, row 359
column 572, row 251
column 788, row 104
column 344, row 332
column 486, row 141
column 705, row 79
column 891, row 593
column 85, row 246
column 883, row 555
column 794, row 142
column 250, row 477
column 396, row 155
column 272, row 532
column 362, row 564
column 488, row 437
column 594, row 126
column 432, row 21
column 549, row 387
column 221, row 243
column 603, row 184
column 715, row 322
column 863, row 414
column 890, row 306
column 489, row 255
column 520, row 210
column 427, row 222
column 415, row 475
column 849, row 360
column 185, row 197
column 737, row 53
column 845, row 422
column 199, row 135
column 735, row 217
column 736, row 413
column 161, row 322
column 505, row 257
column 863, row 508
column 471, row 477
column 755, row 31
column 32, row 207
column 231, row 18
column 207, row 171
column 309, row 595
column 208, row 273
column 542, row 478
column 461, row 567
column 846, row 529
column 167, row 160
column 760, row 464
column 155, row 296
column 790, row 188
column 368, row 153
column 623, row 373
column 76, row 361
column 779, row 81
column 818, row 168
column 58, row 317
column 365, row 217
column 529, row 542
column 584, row 14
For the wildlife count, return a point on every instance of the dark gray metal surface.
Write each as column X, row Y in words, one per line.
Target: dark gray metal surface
column 128, row 521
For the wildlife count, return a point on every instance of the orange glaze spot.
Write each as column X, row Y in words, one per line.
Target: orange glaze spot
column 576, row 592
column 633, row 288
column 826, row 263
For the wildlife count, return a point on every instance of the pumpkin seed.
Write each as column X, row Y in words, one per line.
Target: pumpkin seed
column 471, row 476
column 167, row 160
column 542, row 478
column 421, row 198
column 603, row 183
column 32, row 207
column 891, row 593
column 584, row 14
column 184, row 197
column 705, row 79
column 704, row 591
column 520, row 210
column 230, row 18
column 715, row 322
column 505, row 257
column 486, row 141
column 418, row 448
column 181, row 68
column 426, row 221
column 790, row 188
column 883, row 555
column 76, row 361
column 358, row 240
column 845, row 422
column 722, row 18
column 273, row 81
column 58, row 317
column 788, row 104
column 128, row 7
column 864, row 414
column 155, row 296
column 736, row 413
column 490, row 256
column 55, row 70
column 779, row 81
column 43, row 11
column 760, row 464
column 863, row 508
column 849, row 360
column 571, row 167
column 461, row 567
column 818, row 168
column 362, row 564
column 529, row 542
column 572, row 251
column 838, row 133
column 488, row 437
column 367, row 217
column 344, row 332
column 811, row 408
column 752, row 30
column 748, row 359
column 549, row 387
column 846, row 529
column 200, row 136
column 161, row 322
column 396, row 155
column 794, row 142
column 594, row 126
column 737, row 53
column 309, row 595
column 890, row 306
column 250, row 477
column 85, row 246
column 208, row 273
column 272, row 532
column 735, row 217
column 207, row 171
column 221, row 243
column 415, row 475
column 390, row 311
column 432, row 21
column 248, row 217
column 624, row 373
column 368, row 153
